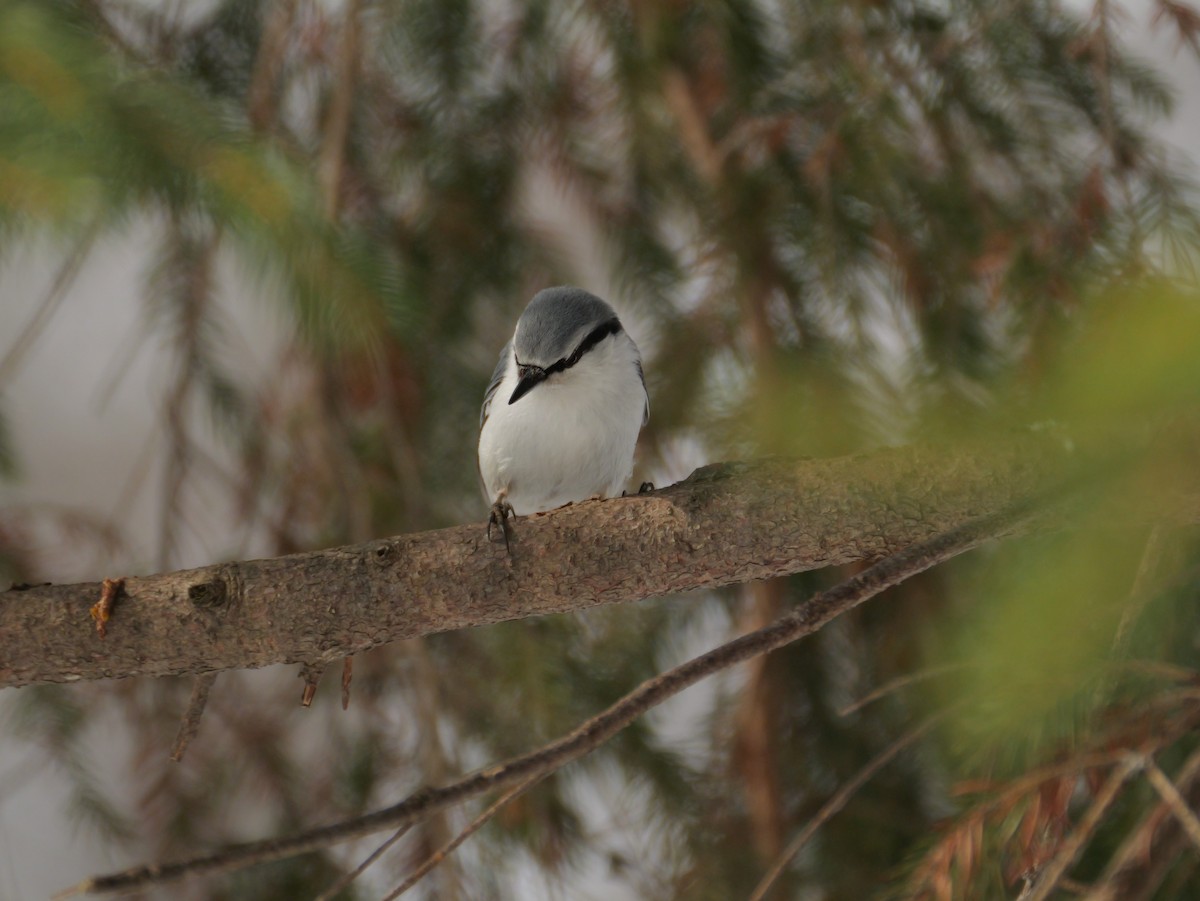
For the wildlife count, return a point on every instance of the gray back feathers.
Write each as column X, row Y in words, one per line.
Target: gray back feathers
column 554, row 323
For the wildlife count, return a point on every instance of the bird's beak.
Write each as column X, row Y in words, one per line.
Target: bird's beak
column 528, row 376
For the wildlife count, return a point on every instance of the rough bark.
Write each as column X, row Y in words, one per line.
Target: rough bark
column 725, row 524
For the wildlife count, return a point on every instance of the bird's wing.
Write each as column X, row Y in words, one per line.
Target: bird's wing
column 642, row 377
column 497, row 376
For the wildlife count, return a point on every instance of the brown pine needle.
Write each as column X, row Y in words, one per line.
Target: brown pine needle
column 836, row 802
column 898, row 684
column 1131, row 851
column 1050, row 878
column 450, row 847
column 1144, row 585
column 332, row 892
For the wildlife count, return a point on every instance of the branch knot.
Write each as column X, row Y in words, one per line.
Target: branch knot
column 209, row 595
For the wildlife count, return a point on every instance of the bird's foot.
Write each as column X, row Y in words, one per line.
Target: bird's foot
column 502, row 511
column 646, row 488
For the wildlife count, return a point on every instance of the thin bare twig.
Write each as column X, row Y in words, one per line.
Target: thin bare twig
column 334, row 890
column 190, row 724
column 311, row 674
column 836, row 802
column 804, row 620
column 474, row 826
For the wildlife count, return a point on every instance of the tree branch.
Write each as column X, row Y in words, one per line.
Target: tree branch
column 725, row 524
column 799, row 622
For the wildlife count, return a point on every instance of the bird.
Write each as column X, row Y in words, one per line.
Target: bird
column 564, row 408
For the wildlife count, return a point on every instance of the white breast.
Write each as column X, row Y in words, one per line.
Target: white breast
column 570, row 438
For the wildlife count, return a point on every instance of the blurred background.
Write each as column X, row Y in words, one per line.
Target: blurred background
column 257, row 261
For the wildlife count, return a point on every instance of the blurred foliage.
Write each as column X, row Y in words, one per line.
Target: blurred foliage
column 1131, row 370
column 829, row 225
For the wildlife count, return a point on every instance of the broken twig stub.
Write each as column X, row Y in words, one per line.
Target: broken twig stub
column 102, row 610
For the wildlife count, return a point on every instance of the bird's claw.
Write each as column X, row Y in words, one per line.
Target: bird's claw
column 646, row 488
column 502, row 511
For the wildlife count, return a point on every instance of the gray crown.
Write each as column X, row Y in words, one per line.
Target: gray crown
column 554, row 323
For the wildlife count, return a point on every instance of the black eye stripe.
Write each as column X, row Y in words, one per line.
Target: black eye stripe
column 594, row 337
